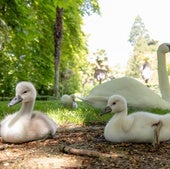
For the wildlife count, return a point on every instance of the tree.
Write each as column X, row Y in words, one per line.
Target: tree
column 138, row 31
column 143, row 49
column 28, row 47
column 142, row 52
column 28, row 52
column 73, row 48
column 57, row 42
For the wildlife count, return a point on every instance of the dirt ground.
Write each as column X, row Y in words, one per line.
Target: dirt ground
column 50, row 154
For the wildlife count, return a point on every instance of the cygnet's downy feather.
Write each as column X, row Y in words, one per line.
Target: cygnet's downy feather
column 26, row 124
column 141, row 127
column 69, row 101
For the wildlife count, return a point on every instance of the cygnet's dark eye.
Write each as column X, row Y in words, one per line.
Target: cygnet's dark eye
column 113, row 103
column 25, row 91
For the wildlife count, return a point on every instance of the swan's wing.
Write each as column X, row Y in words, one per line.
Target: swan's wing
column 128, row 124
column 44, row 121
column 145, row 118
column 139, row 121
column 96, row 101
column 136, row 94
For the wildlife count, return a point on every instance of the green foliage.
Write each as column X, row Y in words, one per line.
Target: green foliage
column 28, row 55
column 27, row 45
column 142, row 52
column 138, row 31
column 144, row 49
column 90, row 6
column 139, row 55
column 74, row 51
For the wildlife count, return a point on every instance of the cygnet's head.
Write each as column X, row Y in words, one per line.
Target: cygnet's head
column 116, row 104
column 69, row 101
column 24, row 92
column 164, row 48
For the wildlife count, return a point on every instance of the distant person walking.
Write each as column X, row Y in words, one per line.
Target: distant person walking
column 146, row 71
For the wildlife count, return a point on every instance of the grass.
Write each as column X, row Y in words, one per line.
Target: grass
column 85, row 114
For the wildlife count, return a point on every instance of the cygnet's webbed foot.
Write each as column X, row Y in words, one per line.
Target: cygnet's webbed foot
column 157, row 128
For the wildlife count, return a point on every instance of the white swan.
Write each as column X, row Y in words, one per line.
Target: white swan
column 136, row 94
column 69, row 101
column 26, row 124
column 139, row 127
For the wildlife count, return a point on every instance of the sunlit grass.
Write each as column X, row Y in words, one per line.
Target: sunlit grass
column 85, row 114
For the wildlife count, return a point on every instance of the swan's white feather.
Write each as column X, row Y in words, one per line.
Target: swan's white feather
column 136, row 93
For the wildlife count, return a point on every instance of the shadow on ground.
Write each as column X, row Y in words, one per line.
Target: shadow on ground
column 49, row 154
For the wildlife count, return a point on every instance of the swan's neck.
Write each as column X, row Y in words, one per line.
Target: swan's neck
column 163, row 76
column 121, row 115
column 26, row 110
column 119, row 118
column 122, row 121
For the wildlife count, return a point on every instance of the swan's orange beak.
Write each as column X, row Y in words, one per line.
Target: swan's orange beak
column 15, row 100
column 106, row 110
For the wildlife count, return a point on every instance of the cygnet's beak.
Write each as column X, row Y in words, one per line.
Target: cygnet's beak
column 106, row 110
column 15, row 100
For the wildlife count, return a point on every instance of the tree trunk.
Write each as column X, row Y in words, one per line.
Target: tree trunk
column 57, row 48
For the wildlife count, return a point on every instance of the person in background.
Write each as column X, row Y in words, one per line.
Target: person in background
column 146, row 71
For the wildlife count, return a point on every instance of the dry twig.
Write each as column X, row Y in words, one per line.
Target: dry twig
column 89, row 153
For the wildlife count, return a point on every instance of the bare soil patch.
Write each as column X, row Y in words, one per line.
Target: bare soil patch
column 50, row 154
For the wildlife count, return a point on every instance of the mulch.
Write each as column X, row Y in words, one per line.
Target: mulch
column 83, row 147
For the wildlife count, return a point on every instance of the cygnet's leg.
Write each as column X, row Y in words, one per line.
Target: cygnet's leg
column 157, row 128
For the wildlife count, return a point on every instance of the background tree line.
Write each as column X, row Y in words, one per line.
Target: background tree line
column 27, row 43
column 144, row 50
column 28, row 47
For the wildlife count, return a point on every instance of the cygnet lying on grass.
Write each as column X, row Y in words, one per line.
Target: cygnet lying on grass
column 69, row 101
column 26, row 124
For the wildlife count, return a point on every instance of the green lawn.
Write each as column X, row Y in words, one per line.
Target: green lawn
column 85, row 114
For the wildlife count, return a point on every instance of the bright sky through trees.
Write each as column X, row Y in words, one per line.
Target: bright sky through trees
column 111, row 30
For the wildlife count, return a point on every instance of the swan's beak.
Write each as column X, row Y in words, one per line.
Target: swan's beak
column 15, row 100
column 168, row 47
column 106, row 110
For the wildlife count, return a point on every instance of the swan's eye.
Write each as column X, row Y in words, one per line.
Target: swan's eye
column 113, row 103
column 25, row 91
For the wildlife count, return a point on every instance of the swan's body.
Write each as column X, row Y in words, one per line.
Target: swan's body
column 136, row 94
column 137, row 127
column 26, row 124
column 69, row 101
